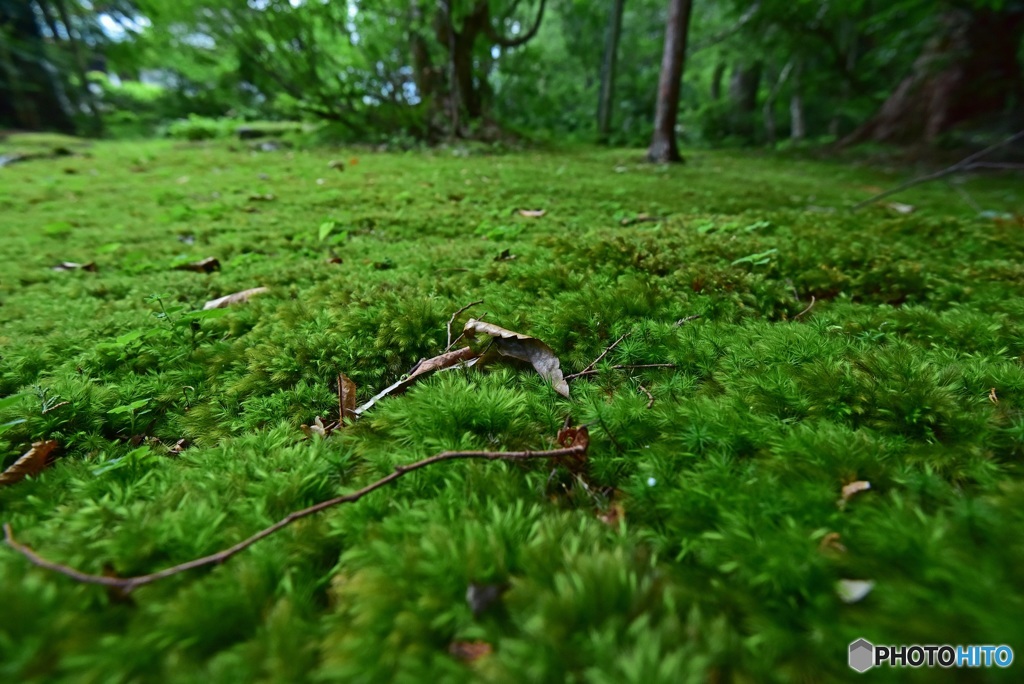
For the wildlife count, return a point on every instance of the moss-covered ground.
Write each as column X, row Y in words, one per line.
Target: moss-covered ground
column 705, row 543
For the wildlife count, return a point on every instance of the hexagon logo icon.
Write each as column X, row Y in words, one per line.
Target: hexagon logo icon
column 862, row 655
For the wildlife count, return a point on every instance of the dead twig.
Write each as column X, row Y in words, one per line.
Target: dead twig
column 54, row 407
column 578, row 447
column 625, row 366
column 650, row 396
column 598, row 359
column 809, row 307
column 452, row 320
column 967, row 164
column 682, row 321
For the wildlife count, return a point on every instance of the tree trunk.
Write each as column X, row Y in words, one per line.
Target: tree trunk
column 611, row 56
column 30, row 97
column 797, row 120
column 770, row 128
column 86, row 100
column 664, row 147
column 968, row 71
column 716, row 81
column 743, row 88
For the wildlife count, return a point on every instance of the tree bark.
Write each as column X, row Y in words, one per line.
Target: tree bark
column 86, row 99
column 770, row 127
column 611, row 55
column 716, row 81
column 797, row 120
column 664, row 147
column 968, row 71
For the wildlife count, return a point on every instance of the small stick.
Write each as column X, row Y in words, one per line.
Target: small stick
column 127, row 584
column 694, row 317
column 54, row 407
column 809, row 307
column 622, row 367
column 649, row 396
column 452, row 320
column 598, row 359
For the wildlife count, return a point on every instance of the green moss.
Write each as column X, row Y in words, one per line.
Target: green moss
column 906, row 372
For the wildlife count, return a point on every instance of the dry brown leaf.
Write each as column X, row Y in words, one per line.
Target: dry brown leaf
column 346, row 398
column 235, row 298
column 207, row 265
column 532, row 213
column 901, row 208
column 613, row 515
column 72, row 266
column 831, row 543
column 32, row 463
column 317, row 428
column 851, row 489
column 524, row 348
column 438, row 363
column 470, row 651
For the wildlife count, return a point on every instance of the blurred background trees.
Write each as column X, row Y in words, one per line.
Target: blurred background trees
column 756, row 71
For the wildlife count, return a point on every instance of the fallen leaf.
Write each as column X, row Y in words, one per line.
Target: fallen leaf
column 901, row 208
column 72, row 266
column 639, row 218
column 505, row 255
column 613, row 515
column 470, row 651
column 353, row 161
column 524, row 348
column 532, row 213
column 830, row 543
column 335, row 260
column 852, row 591
column 207, row 265
column 261, row 198
column 178, row 447
column 317, row 428
column 480, row 597
column 438, row 363
column 235, row 298
column 346, row 398
column 32, row 463
column 851, row 489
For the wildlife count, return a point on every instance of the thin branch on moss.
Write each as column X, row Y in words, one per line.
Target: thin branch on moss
column 809, row 307
column 452, row 320
column 649, row 396
column 682, row 321
column 127, row 584
column 625, row 366
column 596, row 361
column 967, row 164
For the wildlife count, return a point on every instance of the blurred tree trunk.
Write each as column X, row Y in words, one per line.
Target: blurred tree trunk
column 716, row 81
column 467, row 84
column 797, row 120
column 29, row 94
column 611, row 55
column 664, row 147
column 969, row 70
column 770, row 127
column 86, row 100
column 743, row 88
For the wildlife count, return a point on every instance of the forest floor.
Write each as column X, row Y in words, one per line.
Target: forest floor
column 721, row 527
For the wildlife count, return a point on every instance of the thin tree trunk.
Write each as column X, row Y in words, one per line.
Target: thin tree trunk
column 87, row 101
column 664, row 147
column 797, row 121
column 611, row 56
column 770, row 127
column 716, row 81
